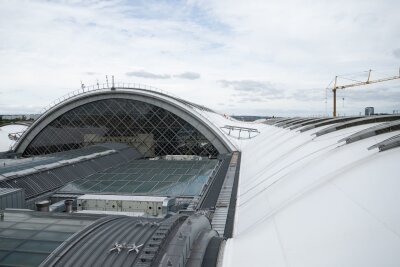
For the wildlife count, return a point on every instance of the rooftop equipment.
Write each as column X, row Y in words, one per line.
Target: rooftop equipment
column 126, row 205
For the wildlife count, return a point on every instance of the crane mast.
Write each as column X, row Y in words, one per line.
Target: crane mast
column 368, row 81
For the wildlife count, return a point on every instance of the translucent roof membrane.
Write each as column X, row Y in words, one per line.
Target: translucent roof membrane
column 155, row 177
column 27, row 238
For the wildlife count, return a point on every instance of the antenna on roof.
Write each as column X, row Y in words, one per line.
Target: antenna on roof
column 82, row 86
column 107, row 81
column 113, row 85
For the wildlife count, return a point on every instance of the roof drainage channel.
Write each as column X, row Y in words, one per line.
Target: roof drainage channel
column 224, row 214
column 210, row 197
column 355, row 122
column 275, row 120
column 307, row 123
column 280, row 124
column 282, row 120
column 297, row 122
column 327, row 122
column 372, row 131
column 387, row 144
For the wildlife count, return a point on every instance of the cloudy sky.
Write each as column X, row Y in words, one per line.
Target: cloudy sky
column 241, row 57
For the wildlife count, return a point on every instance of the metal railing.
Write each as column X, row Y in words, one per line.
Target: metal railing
column 108, row 86
column 250, row 131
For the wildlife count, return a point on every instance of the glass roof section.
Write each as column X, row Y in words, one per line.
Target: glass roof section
column 152, row 130
column 148, row 177
column 45, row 178
column 50, row 158
column 27, row 238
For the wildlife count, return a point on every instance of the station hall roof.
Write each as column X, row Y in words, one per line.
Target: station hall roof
column 306, row 196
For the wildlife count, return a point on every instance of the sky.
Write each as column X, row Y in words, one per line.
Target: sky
column 238, row 57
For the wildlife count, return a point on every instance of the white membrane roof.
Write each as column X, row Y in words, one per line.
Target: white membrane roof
column 5, row 142
column 311, row 201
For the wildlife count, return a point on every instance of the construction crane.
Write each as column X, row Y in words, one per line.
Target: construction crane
column 368, row 81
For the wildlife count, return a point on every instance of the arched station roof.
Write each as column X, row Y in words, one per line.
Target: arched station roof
column 191, row 113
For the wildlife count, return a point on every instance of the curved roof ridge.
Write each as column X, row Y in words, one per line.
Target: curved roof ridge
column 125, row 86
column 201, row 115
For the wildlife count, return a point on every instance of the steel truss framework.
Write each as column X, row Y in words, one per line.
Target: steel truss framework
column 152, row 130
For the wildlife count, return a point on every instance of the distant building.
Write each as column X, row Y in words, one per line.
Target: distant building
column 369, row 111
column 20, row 117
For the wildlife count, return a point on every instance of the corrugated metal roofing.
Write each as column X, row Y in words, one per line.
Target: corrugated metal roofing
column 97, row 245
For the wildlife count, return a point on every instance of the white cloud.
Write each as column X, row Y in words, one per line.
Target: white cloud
column 148, row 75
column 48, row 47
column 396, row 52
column 188, row 75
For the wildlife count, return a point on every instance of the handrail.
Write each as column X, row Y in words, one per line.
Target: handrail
column 125, row 86
column 241, row 129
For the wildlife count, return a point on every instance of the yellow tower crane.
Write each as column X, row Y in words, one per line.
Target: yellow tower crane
column 368, row 81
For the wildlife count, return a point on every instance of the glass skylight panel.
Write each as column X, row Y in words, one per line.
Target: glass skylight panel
column 26, row 239
column 159, row 177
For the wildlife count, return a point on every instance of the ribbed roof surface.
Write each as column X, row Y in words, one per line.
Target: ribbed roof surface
column 95, row 245
column 307, row 200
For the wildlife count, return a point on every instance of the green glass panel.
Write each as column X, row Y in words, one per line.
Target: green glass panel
column 16, row 217
column 16, row 233
column 43, row 220
column 186, row 178
column 3, row 254
column 75, row 222
column 100, row 186
column 39, row 246
column 6, row 224
column 108, row 177
column 146, row 177
column 168, row 171
column 193, row 171
column 53, row 236
column 64, row 228
column 30, row 226
column 161, row 187
column 130, row 187
column 181, row 171
column 145, row 187
column 172, row 178
column 115, row 186
column 9, row 243
column 23, row 259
